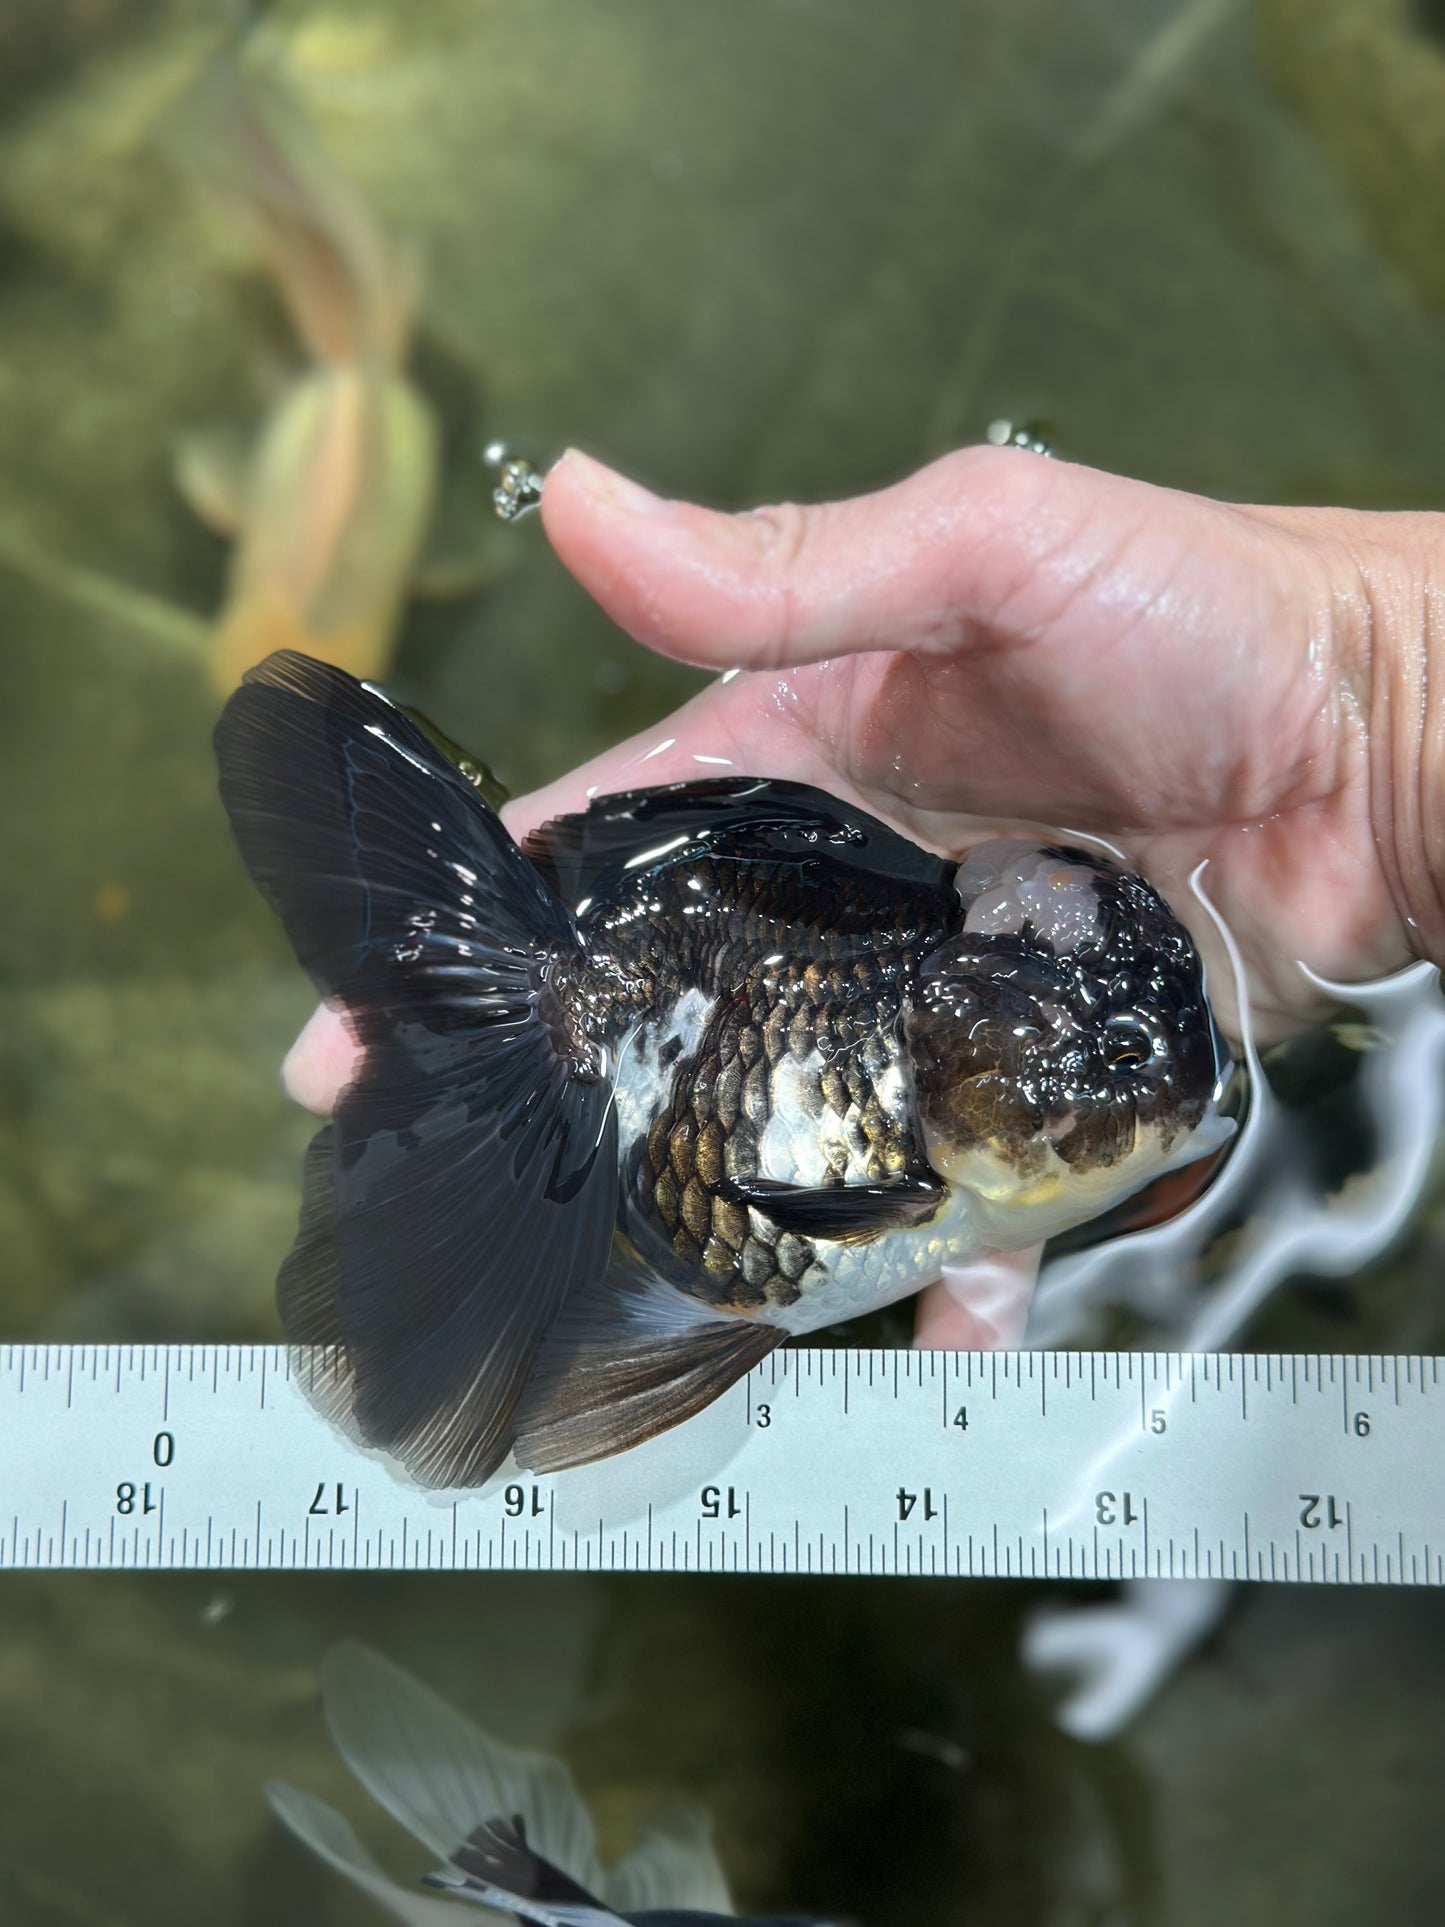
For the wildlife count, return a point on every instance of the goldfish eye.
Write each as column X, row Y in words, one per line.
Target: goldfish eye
column 1127, row 1047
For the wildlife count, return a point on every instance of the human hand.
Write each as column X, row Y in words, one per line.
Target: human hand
column 1003, row 635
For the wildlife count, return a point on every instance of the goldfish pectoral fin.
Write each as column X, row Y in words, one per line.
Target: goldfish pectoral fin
column 213, row 470
column 628, row 1358
column 322, row 1830
column 673, row 1866
column 845, row 1213
column 455, row 578
column 495, row 1867
column 466, row 550
column 467, row 1184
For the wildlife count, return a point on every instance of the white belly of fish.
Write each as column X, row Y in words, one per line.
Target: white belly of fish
column 846, row 1280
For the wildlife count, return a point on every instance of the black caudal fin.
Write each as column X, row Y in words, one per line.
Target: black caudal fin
column 629, row 1358
column 846, row 1213
column 468, row 1181
column 495, row 1867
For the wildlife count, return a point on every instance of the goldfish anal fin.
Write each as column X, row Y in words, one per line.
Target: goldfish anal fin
column 629, row 1357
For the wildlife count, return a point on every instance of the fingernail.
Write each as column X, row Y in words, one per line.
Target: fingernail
column 606, row 485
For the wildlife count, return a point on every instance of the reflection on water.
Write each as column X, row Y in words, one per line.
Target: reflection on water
column 790, row 247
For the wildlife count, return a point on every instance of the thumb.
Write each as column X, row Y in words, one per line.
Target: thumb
column 911, row 566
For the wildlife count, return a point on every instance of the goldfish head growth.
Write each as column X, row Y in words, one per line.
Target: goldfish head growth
column 1061, row 1045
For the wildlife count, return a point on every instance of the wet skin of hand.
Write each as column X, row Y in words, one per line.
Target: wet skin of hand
column 1007, row 636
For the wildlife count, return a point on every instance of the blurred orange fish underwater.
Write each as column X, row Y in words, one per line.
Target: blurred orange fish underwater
column 330, row 506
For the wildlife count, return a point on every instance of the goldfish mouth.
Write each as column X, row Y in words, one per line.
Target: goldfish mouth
column 1034, row 1173
column 1040, row 1194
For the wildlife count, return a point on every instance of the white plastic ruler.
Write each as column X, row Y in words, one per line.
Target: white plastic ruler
column 1059, row 1465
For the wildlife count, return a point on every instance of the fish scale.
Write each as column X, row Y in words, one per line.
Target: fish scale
column 828, row 1012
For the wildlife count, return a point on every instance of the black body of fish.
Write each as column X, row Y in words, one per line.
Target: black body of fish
column 455, row 1253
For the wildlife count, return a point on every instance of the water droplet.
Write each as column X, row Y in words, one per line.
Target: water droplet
column 1033, row 436
column 519, row 485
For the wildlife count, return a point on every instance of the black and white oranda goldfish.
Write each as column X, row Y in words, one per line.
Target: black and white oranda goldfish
column 508, row 1826
column 697, row 1069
